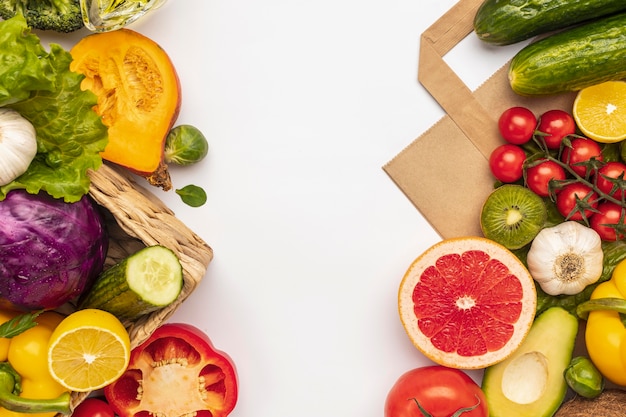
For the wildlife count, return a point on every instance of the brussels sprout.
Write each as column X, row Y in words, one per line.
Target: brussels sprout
column 584, row 378
column 185, row 145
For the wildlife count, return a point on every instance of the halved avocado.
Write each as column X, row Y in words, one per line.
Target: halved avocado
column 530, row 382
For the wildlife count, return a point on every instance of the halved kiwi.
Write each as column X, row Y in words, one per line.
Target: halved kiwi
column 512, row 215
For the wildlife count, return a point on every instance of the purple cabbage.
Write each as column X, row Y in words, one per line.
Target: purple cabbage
column 50, row 251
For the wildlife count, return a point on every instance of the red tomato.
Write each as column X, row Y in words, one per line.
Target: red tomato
column 93, row 407
column 556, row 124
column 176, row 372
column 517, row 125
column 575, row 199
column 608, row 172
column 582, row 150
column 608, row 221
column 439, row 390
column 506, row 162
column 538, row 176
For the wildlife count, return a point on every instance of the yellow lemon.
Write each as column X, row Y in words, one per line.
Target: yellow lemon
column 600, row 111
column 88, row 350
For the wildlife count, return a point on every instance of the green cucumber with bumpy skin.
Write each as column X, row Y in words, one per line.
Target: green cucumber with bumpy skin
column 504, row 22
column 145, row 281
column 572, row 60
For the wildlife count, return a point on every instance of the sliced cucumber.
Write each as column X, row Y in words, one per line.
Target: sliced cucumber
column 144, row 282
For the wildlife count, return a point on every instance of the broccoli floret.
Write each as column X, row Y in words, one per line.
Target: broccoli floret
column 57, row 15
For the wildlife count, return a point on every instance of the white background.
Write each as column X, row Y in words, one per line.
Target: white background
column 303, row 102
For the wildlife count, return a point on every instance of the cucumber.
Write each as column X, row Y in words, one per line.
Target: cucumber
column 504, row 22
column 144, row 282
column 572, row 60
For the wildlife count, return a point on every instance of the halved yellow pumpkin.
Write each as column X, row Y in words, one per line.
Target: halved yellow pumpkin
column 139, row 97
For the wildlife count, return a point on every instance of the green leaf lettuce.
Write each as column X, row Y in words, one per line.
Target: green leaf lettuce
column 70, row 134
column 23, row 65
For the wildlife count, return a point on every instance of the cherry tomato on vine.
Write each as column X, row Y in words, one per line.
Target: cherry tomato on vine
column 556, row 124
column 613, row 170
column 439, row 390
column 506, row 162
column 581, row 150
column 575, row 199
column 517, row 125
column 538, row 176
column 93, row 407
column 608, row 214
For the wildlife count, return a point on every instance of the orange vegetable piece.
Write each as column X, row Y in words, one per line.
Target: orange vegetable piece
column 139, row 98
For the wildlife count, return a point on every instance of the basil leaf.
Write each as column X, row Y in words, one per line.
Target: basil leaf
column 192, row 195
column 18, row 324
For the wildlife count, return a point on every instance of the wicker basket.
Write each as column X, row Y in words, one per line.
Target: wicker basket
column 135, row 219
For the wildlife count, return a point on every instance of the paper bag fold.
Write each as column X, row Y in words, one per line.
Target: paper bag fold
column 445, row 171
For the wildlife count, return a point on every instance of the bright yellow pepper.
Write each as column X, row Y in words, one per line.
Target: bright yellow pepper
column 27, row 354
column 605, row 333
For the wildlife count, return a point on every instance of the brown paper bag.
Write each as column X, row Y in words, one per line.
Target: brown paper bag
column 445, row 172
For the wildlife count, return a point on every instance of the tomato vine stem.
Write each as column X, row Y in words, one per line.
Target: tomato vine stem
column 591, row 166
column 457, row 413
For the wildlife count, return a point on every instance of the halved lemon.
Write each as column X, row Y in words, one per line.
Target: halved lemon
column 88, row 350
column 600, row 111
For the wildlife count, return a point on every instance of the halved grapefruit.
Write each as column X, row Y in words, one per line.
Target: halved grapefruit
column 467, row 302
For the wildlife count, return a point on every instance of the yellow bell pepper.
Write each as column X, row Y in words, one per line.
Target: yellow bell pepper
column 605, row 333
column 26, row 386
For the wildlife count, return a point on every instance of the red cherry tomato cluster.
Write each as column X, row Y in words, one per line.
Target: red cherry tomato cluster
column 547, row 155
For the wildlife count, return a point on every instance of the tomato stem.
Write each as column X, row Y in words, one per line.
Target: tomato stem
column 573, row 173
column 457, row 413
column 592, row 165
column 422, row 410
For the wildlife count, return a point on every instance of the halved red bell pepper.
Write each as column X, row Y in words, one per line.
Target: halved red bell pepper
column 175, row 372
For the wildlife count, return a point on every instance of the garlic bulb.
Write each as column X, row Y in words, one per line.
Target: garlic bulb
column 18, row 145
column 564, row 259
